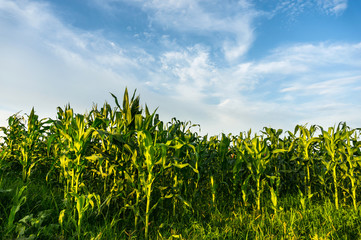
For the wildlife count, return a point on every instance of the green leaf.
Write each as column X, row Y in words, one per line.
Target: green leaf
column 180, row 165
column 116, row 100
column 279, row 151
column 273, row 197
column 61, row 217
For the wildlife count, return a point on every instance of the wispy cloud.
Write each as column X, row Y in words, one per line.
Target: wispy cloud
column 231, row 21
column 333, row 87
column 299, row 83
column 332, row 69
column 190, row 71
column 293, row 8
column 333, row 7
column 42, row 58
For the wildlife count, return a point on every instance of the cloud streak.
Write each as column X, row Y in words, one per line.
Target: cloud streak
column 294, row 8
column 201, row 18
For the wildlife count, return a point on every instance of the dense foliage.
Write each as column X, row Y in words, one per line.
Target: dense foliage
column 123, row 173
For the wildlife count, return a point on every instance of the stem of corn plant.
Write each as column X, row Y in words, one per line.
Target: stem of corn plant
column 334, row 175
column 213, row 188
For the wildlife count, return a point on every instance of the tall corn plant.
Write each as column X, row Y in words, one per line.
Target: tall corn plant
column 240, row 173
column 332, row 143
column 212, row 167
column 278, row 162
column 183, row 175
column 306, row 145
column 137, row 155
column 74, row 137
column 151, row 154
column 32, row 148
column 257, row 156
column 70, row 146
column 104, row 161
column 13, row 136
column 351, row 167
column 24, row 140
column 226, row 162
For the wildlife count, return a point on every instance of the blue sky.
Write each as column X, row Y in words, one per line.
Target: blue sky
column 226, row 65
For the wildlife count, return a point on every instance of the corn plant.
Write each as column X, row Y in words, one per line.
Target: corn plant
column 151, row 154
column 352, row 164
column 257, row 156
column 305, row 144
column 74, row 136
column 13, row 137
column 83, row 202
column 277, row 161
column 240, row 175
column 332, row 143
column 180, row 174
column 32, row 145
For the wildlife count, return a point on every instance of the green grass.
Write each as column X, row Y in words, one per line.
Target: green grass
column 38, row 219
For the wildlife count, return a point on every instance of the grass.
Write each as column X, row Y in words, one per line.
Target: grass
column 38, row 219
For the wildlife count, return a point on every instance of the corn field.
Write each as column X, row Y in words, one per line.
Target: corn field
column 123, row 166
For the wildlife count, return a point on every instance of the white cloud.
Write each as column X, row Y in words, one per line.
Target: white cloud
column 283, row 67
column 321, row 54
column 332, row 87
column 194, row 17
column 31, row 13
column 190, row 68
column 314, row 83
column 232, row 21
column 46, row 64
column 293, row 8
column 306, row 58
column 298, row 83
column 333, row 7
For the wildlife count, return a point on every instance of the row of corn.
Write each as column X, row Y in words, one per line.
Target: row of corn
column 125, row 164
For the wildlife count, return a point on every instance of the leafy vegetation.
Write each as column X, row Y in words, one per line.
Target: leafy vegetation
column 122, row 173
